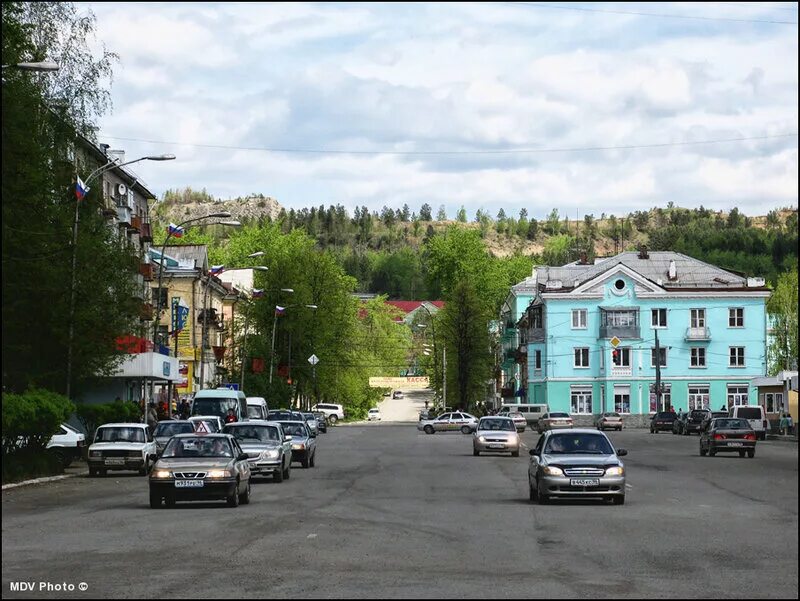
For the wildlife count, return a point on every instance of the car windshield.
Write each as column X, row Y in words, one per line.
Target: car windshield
column 309, row 417
column 279, row 415
column 496, row 424
column 664, row 414
column 253, row 433
column 731, row 424
column 559, row 415
column 119, row 434
column 578, row 444
column 294, row 429
column 214, row 406
column 254, row 411
column 197, row 446
column 173, row 428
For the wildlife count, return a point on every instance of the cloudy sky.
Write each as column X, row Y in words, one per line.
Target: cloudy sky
column 508, row 104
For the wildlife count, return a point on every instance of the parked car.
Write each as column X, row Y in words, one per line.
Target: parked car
column 519, row 420
column 678, row 424
column 201, row 467
column 374, row 415
column 553, row 421
column 496, row 434
column 322, row 421
column 311, row 422
column 126, row 446
column 304, row 445
column 333, row 411
column 278, row 415
column 257, row 407
column 398, row 394
column 609, row 419
column 578, row 463
column 268, row 448
column 755, row 416
column 661, row 421
column 531, row 411
column 212, row 423
column 449, row 422
column 67, row 444
column 727, row 435
column 694, row 421
column 168, row 428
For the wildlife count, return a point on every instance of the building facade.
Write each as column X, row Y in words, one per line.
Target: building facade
column 512, row 349
column 592, row 332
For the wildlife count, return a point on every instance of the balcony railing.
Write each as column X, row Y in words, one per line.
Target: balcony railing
column 146, row 233
column 136, row 222
column 536, row 334
column 621, row 372
column 146, row 270
column 146, row 312
column 703, row 333
column 608, row 331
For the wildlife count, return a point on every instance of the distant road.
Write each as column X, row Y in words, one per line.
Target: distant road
column 406, row 409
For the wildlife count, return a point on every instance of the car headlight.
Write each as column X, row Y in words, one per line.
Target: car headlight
column 481, row 438
column 162, row 474
column 219, row 474
column 615, row 471
column 271, row 454
column 298, row 447
column 95, row 454
column 553, row 471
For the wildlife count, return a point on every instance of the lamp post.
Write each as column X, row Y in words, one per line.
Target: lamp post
column 111, row 164
column 246, row 321
column 41, row 66
column 275, row 327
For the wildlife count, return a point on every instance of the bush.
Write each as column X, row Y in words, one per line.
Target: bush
column 92, row 415
column 26, row 464
column 30, row 419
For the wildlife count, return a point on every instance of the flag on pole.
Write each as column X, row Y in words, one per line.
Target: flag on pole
column 257, row 293
column 81, row 189
column 216, row 269
column 175, row 230
column 279, row 310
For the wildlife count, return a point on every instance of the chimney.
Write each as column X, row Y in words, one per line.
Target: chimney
column 643, row 252
column 584, row 258
column 673, row 271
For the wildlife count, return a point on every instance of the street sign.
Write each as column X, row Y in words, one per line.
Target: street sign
column 230, row 385
column 313, row 359
column 615, row 342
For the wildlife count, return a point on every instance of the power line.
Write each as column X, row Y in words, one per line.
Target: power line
column 642, row 14
column 454, row 152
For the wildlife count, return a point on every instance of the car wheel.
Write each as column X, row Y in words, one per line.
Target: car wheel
column 533, row 493
column 619, row 500
column 751, row 453
column 619, row 429
column 60, row 457
column 651, row 431
column 333, row 419
column 244, row 498
column 475, row 452
column 313, row 461
column 711, row 452
column 742, row 453
column 278, row 476
column 304, row 462
column 515, row 453
column 143, row 471
column 466, row 430
column 233, row 500
column 103, row 473
column 155, row 501
column 429, row 429
column 169, row 501
column 92, row 472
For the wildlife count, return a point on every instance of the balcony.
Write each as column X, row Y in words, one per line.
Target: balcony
column 621, row 372
column 507, row 393
column 146, row 312
column 136, row 223
column 146, row 271
column 698, row 334
column 146, row 233
column 536, row 334
column 124, row 216
column 621, row 332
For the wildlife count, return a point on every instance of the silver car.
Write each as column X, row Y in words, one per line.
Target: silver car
column 551, row 421
column 304, row 443
column 577, row 463
column 609, row 419
column 312, row 422
column 268, row 448
column 449, row 422
column 495, row 434
column 166, row 429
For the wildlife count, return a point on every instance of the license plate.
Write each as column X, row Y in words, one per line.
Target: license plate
column 189, row 484
column 584, row 482
column 735, row 444
column 115, row 462
column 497, row 446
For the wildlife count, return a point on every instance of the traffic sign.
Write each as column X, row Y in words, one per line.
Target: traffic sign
column 230, row 385
column 615, row 342
column 313, row 359
column 201, row 428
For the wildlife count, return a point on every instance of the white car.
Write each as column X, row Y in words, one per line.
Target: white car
column 520, row 423
column 128, row 446
column 332, row 411
column 449, row 422
column 67, row 444
column 374, row 415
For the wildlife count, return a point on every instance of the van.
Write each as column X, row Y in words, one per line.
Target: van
column 217, row 401
column 755, row 416
column 257, row 407
column 532, row 412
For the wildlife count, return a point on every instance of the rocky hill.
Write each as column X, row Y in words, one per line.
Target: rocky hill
column 180, row 205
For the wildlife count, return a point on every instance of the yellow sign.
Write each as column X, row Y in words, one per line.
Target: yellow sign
column 409, row 382
column 615, row 342
column 185, row 373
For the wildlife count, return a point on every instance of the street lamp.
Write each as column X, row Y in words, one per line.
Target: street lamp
column 275, row 327
column 444, row 357
column 111, row 164
column 41, row 66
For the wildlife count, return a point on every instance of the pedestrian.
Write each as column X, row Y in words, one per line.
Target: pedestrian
column 231, row 417
column 152, row 417
column 789, row 424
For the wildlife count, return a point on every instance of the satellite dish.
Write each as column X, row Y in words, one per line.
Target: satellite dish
column 122, row 189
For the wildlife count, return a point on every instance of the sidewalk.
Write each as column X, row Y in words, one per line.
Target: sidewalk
column 782, row 438
column 76, row 470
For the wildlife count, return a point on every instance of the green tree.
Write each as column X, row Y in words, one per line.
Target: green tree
column 461, row 216
column 782, row 310
column 553, row 225
column 441, row 215
column 425, row 213
column 558, row 250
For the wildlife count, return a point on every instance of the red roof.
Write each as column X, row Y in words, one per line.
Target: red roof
column 409, row 306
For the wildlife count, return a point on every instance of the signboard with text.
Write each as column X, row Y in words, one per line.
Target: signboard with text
column 401, row 383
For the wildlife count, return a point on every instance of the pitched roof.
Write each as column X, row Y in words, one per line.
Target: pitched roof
column 409, row 306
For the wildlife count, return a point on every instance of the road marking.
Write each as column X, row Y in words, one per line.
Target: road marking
column 628, row 486
column 312, row 536
column 522, row 444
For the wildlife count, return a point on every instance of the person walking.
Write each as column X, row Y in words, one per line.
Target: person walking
column 152, row 417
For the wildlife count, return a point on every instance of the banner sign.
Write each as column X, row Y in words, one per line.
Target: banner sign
column 180, row 312
column 401, row 383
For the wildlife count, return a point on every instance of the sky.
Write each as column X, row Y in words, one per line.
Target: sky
column 516, row 105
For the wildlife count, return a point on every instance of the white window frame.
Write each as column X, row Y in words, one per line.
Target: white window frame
column 619, row 403
column 653, row 356
column 734, row 354
column 699, row 396
column 737, row 398
column 653, row 320
column 581, row 402
column 694, row 357
column 775, row 399
column 582, row 319
column 666, row 395
column 623, row 352
column 697, row 318
column 734, row 314
column 584, row 352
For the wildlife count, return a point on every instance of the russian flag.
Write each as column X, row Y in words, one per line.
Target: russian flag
column 257, row 293
column 216, row 269
column 81, row 189
column 279, row 310
column 175, row 230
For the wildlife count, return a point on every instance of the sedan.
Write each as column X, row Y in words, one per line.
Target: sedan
column 201, row 467
column 609, row 419
column 552, row 421
column 168, row 428
column 495, row 435
column 304, row 443
column 662, row 421
column 322, row 421
column 519, row 421
column 728, row 435
column 449, row 422
column 374, row 415
column 269, row 450
column 312, row 423
column 579, row 463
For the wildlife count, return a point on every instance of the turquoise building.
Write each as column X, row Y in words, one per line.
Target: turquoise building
column 590, row 332
column 513, row 368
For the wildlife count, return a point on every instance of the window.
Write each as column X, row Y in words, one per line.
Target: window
column 697, row 318
column 737, row 395
column 658, row 318
column 666, row 397
column 579, row 319
column 662, row 357
column 698, row 356
column 736, row 356
column 698, row 397
column 621, row 319
column 622, row 399
column 164, row 294
column 581, row 357
column 537, row 360
column 581, row 398
column 774, row 402
column 621, row 357
column 619, row 284
column 736, row 317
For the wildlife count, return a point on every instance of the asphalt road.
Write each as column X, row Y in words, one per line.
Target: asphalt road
column 390, row 512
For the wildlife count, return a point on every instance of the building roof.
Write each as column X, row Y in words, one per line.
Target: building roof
column 777, row 380
column 691, row 273
column 189, row 256
column 528, row 285
column 409, row 306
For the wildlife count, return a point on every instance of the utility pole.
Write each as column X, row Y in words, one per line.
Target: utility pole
column 658, row 375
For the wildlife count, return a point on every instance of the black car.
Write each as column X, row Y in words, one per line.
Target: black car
column 322, row 421
column 285, row 414
column 662, row 420
column 728, row 435
column 695, row 421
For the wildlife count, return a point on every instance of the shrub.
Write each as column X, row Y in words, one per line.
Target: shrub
column 92, row 415
column 30, row 419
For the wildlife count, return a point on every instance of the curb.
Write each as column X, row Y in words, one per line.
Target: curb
column 39, row 481
column 779, row 438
